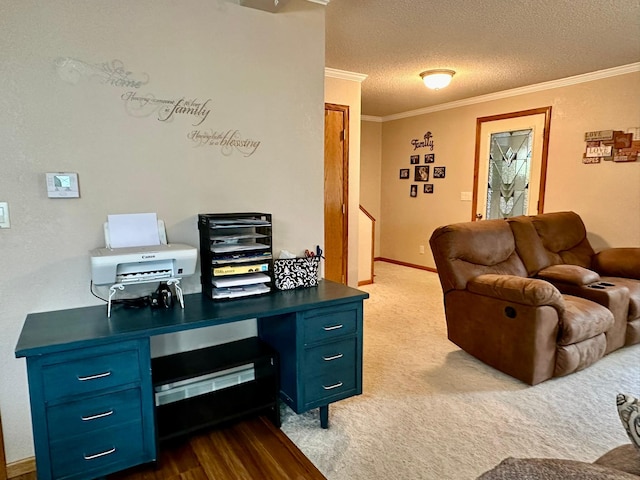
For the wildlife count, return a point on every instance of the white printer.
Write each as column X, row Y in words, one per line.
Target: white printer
column 121, row 266
column 142, row 264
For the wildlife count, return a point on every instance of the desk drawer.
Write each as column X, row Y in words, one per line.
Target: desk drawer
column 90, row 373
column 330, row 356
column 327, row 323
column 84, row 416
column 329, row 387
column 95, row 452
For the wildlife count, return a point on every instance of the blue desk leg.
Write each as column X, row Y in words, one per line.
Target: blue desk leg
column 324, row 416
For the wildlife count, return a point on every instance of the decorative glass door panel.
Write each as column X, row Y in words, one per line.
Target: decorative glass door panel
column 509, row 171
column 510, row 164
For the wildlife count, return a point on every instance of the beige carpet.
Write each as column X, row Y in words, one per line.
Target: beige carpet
column 430, row 411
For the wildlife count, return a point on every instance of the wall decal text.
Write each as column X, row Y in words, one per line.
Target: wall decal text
column 226, row 140
column 112, row 73
column 427, row 141
column 166, row 110
column 144, row 105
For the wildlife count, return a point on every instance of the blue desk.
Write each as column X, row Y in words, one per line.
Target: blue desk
column 90, row 377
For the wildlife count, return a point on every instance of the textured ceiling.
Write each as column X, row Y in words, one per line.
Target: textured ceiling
column 493, row 45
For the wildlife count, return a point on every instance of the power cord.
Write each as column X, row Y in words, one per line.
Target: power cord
column 139, row 302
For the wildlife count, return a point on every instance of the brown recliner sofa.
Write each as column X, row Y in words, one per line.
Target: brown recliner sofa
column 527, row 327
column 555, row 247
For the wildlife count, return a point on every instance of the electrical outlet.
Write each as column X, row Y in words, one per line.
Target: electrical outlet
column 4, row 215
column 421, row 249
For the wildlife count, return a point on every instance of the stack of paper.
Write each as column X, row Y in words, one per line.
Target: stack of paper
column 240, row 291
column 238, row 281
column 133, row 230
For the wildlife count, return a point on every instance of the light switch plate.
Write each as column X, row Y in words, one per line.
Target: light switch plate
column 4, row 215
column 62, row 185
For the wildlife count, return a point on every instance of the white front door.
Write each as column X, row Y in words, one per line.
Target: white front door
column 510, row 165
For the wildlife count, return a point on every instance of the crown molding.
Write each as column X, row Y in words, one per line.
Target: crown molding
column 563, row 82
column 370, row 118
column 344, row 75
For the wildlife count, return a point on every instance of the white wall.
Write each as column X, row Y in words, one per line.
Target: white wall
column 264, row 76
column 370, row 174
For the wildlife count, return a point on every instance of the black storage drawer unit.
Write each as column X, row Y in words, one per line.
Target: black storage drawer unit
column 236, row 254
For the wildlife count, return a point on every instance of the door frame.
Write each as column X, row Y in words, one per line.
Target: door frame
column 345, row 186
column 546, row 111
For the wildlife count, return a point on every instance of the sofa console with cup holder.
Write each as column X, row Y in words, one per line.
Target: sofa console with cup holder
column 530, row 297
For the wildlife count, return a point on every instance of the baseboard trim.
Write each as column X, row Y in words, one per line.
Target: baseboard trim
column 405, row 264
column 365, row 282
column 21, row 467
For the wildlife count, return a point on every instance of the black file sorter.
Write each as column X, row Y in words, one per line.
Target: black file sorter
column 236, row 254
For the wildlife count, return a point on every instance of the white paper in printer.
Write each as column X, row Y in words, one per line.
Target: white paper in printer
column 133, row 230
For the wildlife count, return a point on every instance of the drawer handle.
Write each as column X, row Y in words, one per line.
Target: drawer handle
column 331, row 387
column 99, row 415
column 93, row 377
column 334, row 327
column 334, row 357
column 101, row 454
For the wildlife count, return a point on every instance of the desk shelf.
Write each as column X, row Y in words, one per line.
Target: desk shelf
column 230, row 381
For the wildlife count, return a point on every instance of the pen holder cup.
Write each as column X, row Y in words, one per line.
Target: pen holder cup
column 290, row 273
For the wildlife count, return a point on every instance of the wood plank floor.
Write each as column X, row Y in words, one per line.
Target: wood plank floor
column 253, row 449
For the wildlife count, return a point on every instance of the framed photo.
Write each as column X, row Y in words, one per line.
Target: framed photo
column 421, row 173
column 439, row 172
column 414, row 191
column 429, row 158
column 404, row 173
column 415, row 159
column 428, row 188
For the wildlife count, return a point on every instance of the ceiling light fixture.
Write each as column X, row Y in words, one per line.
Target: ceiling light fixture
column 437, row 79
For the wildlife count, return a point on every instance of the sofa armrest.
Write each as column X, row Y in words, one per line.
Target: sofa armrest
column 523, row 290
column 571, row 274
column 618, row 262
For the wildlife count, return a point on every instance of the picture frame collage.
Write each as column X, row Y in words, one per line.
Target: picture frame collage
column 422, row 172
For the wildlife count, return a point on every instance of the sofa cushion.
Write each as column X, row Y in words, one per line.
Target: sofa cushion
column 633, row 332
column 550, row 469
column 564, row 236
column 625, row 458
column 634, row 293
column 618, row 262
column 577, row 356
column 629, row 411
column 583, row 319
column 529, row 245
column 463, row 251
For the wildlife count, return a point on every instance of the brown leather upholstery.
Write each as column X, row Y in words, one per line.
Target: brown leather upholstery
column 530, row 297
column 617, row 262
column 474, row 248
column 549, row 241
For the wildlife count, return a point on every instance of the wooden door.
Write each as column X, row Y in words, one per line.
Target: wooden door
column 336, row 175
